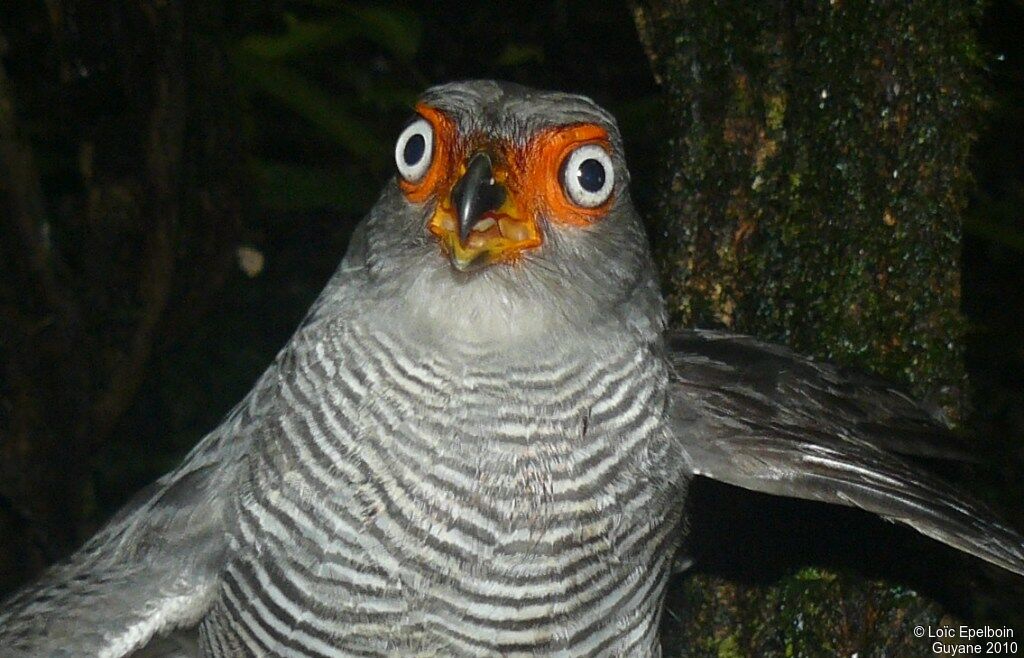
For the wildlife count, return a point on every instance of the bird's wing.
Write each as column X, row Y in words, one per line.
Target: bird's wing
column 154, row 567
column 760, row 417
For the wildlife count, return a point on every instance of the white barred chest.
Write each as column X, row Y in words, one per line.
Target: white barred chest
column 416, row 507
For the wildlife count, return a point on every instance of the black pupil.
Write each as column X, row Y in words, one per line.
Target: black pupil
column 591, row 176
column 414, row 148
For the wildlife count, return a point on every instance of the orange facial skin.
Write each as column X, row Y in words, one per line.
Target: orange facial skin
column 531, row 174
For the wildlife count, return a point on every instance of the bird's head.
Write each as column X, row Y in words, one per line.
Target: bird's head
column 510, row 212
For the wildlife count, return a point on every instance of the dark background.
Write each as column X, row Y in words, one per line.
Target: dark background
column 293, row 109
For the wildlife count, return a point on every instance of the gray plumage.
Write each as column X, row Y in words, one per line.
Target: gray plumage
column 490, row 462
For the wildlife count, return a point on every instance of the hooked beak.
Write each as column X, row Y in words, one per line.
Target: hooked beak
column 481, row 222
column 476, row 194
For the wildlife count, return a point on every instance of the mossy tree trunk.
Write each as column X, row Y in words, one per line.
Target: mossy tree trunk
column 812, row 195
column 119, row 212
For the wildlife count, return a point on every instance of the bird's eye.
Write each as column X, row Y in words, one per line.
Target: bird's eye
column 588, row 176
column 414, row 150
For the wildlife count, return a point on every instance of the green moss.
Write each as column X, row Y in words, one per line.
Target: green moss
column 729, row 648
column 815, row 190
column 820, row 176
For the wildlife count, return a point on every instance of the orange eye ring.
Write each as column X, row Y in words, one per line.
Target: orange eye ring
column 546, row 156
column 440, row 168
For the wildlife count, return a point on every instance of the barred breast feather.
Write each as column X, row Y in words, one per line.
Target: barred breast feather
column 408, row 499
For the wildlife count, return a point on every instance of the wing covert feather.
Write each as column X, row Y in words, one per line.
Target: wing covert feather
column 154, row 567
column 761, row 417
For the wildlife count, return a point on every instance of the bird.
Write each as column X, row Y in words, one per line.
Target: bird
column 480, row 439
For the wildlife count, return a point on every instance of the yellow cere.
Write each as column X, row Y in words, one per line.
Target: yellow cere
column 501, row 235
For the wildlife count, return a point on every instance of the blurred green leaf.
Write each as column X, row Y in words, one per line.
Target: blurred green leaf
column 286, row 187
column 301, row 38
column 310, row 102
column 396, row 30
column 518, row 54
column 389, row 97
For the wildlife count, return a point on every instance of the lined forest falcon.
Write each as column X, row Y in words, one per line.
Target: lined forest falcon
column 479, row 440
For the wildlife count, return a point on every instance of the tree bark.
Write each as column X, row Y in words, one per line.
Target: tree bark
column 812, row 195
column 131, row 212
